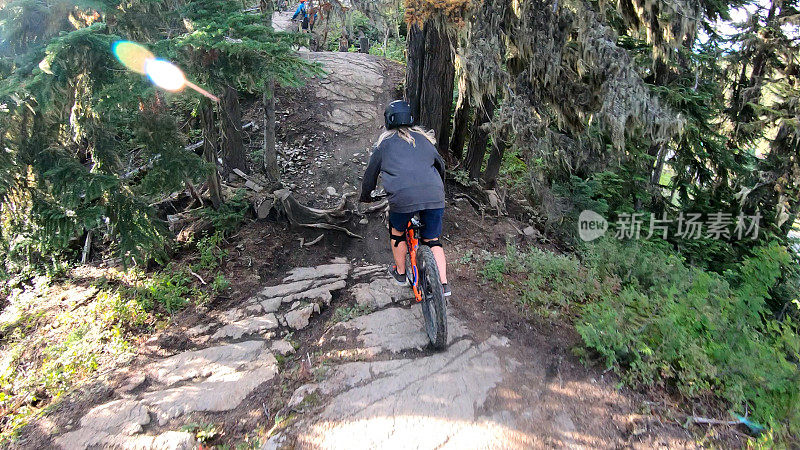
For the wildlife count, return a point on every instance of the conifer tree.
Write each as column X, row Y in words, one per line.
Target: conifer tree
column 89, row 145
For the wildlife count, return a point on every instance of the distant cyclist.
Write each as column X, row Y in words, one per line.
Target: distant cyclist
column 302, row 12
column 412, row 172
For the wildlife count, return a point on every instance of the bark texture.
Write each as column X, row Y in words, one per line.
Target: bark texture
column 460, row 121
column 233, row 152
column 270, row 154
column 478, row 140
column 429, row 80
column 493, row 165
column 210, row 152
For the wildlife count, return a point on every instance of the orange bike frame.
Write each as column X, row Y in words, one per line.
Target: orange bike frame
column 411, row 245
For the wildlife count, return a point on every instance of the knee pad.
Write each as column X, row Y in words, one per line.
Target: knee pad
column 434, row 243
column 397, row 239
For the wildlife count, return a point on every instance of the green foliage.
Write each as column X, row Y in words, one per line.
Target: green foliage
column 227, row 218
column 653, row 319
column 345, row 313
column 395, row 50
column 47, row 351
column 204, row 433
column 211, row 252
column 89, row 145
column 220, row 284
column 170, row 288
column 575, row 195
column 227, row 47
column 677, row 324
column 494, row 269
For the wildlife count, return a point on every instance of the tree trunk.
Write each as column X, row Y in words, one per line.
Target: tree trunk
column 429, row 80
column 460, row 120
column 270, row 155
column 210, row 152
column 232, row 146
column 493, row 165
column 414, row 67
column 478, row 140
column 748, row 92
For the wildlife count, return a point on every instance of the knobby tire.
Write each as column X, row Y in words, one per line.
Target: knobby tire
column 434, row 308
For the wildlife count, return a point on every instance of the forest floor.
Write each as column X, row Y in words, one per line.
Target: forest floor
column 315, row 347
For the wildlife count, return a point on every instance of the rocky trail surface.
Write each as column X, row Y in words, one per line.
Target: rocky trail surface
column 375, row 382
column 334, row 355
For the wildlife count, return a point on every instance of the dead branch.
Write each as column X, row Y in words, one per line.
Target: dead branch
column 707, row 421
column 475, row 204
column 193, row 192
column 87, row 247
column 202, row 281
column 319, row 238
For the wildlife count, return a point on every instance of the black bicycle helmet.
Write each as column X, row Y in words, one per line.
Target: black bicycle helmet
column 398, row 114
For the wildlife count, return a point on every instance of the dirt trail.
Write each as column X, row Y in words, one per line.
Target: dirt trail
column 370, row 379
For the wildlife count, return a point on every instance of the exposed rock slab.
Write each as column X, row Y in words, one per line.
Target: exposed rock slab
column 219, row 360
column 170, row 440
column 337, row 271
column 219, row 393
column 398, row 329
column 283, row 290
column 116, row 424
column 320, row 293
column 271, row 305
column 121, row 416
column 227, row 375
column 246, row 326
column 351, row 89
column 368, row 270
column 381, row 292
column 430, row 402
column 299, row 290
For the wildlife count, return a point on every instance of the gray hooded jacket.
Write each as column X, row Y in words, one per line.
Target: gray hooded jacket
column 413, row 176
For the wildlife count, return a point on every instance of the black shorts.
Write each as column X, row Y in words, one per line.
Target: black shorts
column 431, row 222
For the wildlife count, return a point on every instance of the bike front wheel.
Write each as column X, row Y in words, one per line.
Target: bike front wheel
column 434, row 308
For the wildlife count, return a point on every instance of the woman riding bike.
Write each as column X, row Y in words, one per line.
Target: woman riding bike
column 412, row 171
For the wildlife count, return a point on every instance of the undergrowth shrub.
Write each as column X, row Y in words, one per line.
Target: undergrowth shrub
column 170, row 289
column 653, row 319
column 227, row 218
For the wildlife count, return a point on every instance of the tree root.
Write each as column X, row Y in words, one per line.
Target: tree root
column 284, row 205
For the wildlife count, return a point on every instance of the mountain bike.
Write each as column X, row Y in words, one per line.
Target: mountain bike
column 423, row 274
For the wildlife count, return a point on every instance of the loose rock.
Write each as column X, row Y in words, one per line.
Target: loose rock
column 298, row 318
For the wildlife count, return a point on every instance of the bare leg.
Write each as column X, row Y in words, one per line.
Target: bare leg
column 399, row 252
column 438, row 255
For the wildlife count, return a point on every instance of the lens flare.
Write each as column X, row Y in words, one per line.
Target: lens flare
column 132, row 55
column 162, row 73
column 165, row 75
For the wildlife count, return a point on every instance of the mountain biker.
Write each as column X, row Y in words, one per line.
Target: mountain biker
column 412, row 171
column 303, row 12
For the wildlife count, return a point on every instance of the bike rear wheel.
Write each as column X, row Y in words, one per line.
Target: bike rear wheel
column 434, row 308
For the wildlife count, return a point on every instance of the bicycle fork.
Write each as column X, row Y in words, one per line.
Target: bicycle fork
column 412, row 242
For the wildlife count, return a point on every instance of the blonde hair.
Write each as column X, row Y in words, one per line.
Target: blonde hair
column 405, row 134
